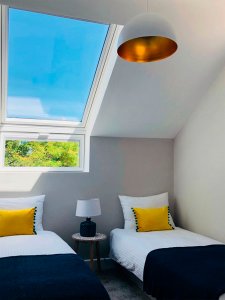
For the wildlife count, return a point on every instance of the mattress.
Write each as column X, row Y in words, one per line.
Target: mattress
column 130, row 248
column 44, row 243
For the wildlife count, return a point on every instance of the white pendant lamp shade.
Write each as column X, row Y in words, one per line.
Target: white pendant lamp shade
column 147, row 37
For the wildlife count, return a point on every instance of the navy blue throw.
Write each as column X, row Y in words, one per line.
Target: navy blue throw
column 48, row 277
column 185, row 273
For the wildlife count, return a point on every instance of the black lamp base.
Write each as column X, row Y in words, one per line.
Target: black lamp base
column 88, row 228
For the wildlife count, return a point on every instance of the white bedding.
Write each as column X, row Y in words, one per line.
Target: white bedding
column 130, row 248
column 45, row 242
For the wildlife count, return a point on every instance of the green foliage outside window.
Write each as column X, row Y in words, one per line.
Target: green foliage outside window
column 21, row 153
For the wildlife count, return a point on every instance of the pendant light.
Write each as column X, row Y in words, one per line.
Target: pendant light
column 147, row 37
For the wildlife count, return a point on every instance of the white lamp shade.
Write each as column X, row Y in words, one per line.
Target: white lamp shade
column 146, row 24
column 88, row 208
column 151, row 26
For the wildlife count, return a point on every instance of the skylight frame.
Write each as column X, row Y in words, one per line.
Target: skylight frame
column 43, row 122
column 81, row 130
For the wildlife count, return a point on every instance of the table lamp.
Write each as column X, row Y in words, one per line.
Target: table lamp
column 88, row 209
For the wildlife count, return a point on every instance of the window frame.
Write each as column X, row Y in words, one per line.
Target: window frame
column 32, row 128
column 4, row 80
column 38, row 138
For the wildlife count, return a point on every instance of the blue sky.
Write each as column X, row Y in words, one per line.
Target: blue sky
column 52, row 62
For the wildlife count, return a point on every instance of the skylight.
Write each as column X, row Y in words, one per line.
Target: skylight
column 54, row 72
column 52, row 62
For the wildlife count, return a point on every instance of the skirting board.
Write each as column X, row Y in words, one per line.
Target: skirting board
column 106, row 262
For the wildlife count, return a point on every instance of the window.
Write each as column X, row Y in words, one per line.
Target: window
column 22, row 151
column 54, row 73
column 51, row 65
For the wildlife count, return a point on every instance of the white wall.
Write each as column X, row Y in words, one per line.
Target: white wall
column 117, row 166
column 199, row 166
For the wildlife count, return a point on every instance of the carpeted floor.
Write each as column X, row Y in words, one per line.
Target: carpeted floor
column 121, row 287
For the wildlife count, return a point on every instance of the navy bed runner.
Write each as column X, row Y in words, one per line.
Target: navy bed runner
column 39, row 277
column 185, row 273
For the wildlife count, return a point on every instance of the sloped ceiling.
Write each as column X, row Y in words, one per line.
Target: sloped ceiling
column 153, row 100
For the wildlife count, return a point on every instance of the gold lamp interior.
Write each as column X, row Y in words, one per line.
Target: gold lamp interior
column 147, row 49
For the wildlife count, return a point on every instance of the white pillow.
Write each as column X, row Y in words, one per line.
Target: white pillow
column 26, row 202
column 127, row 202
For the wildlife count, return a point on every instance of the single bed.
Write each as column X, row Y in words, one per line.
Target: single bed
column 130, row 248
column 43, row 266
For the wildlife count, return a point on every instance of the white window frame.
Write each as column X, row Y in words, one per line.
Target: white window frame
column 26, row 121
column 38, row 138
column 52, row 129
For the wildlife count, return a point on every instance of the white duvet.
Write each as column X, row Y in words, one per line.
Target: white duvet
column 45, row 242
column 130, row 248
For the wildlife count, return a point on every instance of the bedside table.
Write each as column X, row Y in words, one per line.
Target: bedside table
column 91, row 240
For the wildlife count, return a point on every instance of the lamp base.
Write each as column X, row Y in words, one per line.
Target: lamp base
column 88, row 228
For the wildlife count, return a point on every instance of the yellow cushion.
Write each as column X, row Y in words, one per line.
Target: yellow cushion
column 16, row 222
column 152, row 219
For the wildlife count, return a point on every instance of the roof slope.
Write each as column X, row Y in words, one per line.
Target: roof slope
column 153, row 100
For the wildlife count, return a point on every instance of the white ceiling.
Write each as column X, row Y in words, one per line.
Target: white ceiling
column 154, row 100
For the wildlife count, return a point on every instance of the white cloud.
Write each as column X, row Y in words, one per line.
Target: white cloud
column 25, row 107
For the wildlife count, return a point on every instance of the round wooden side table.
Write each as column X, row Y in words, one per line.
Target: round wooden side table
column 91, row 240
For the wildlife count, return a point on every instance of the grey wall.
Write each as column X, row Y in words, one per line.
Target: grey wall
column 117, row 166
column 199, row 166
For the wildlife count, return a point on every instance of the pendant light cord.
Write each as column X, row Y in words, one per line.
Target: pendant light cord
column 147, row 6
